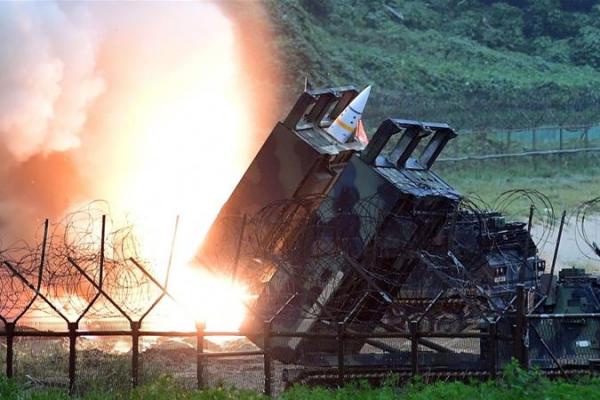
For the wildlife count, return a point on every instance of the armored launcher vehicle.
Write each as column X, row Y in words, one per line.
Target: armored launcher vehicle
column 334, row 232
column 379, row 214
column 298, row 160
column 481, row 250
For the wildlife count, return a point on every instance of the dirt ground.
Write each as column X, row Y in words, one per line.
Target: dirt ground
column 570, row 251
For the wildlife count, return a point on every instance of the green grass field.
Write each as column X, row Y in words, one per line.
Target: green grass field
column 515, row 384
column 566, row 185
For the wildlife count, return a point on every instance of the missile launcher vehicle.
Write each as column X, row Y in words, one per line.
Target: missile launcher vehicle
column 332, row 231
column 482, row 250
column 297, row 160
column 378, row 214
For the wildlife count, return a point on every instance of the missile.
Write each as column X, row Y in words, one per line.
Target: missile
column 344, row 126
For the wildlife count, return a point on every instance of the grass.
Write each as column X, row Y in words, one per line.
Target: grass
column 515, row 384
column 567, row 185
column 430, row 66
column 162, row 388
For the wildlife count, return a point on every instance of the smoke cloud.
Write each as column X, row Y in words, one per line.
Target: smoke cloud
column 48, row 79
column 82, row 85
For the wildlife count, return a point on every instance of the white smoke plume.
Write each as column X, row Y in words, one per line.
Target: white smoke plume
column 123, row 100
column 48, row 77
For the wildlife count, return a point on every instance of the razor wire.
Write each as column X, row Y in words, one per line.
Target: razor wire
column 305, row 243
column 587, row 237
column 74, row 241
column 299, row 245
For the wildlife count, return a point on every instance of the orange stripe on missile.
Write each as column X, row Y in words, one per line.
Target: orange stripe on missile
column 344, row 125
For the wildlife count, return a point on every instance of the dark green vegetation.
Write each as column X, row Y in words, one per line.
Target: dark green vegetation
column 515, row 384
column 472, row 63
column 468, row 62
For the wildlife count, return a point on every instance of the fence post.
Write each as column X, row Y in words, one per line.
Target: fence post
column 414, row 347
column 267, row 356
column 556, row 247
column 493, row 331
column 482, row 143
column 73, row 326
column 340, row 355
column 199, row 351
column 10, row 336
column 586, row 142
column 520, row 327
column 534, row 147
column 135, row 351
column 508, row 145
column 560, row 144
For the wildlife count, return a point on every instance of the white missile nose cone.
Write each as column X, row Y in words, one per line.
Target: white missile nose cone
column 344, row 126
column 359, row 102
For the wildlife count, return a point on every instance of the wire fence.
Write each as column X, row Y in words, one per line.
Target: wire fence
column 63, row 359
column 563, row 342
column 84, row 360
column 500, row 144
column 80, row 325
column 78, row 308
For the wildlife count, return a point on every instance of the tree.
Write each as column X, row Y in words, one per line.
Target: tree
column 586, row 47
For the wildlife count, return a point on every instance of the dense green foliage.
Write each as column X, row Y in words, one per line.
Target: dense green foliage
column 515, row 384
column 469, row 62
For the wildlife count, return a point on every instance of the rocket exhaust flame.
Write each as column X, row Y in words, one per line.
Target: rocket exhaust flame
column 142, row 104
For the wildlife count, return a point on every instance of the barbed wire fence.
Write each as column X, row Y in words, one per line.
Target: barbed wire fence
column 494, row 133
column 556, row 141
column 87, row 268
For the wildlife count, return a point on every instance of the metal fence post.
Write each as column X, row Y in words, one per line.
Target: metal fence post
column 10, row 336
column 199, row 351
column 493, row 348
column 534, row 147
column 73, row 326
column 482, row 142
column 414, row 347
column 556, row 247
column 340, row 339
column 586, row 142
column 560, row 144
column 267, row 357
column 507, row 145
column 520, row 327
column 135, row 351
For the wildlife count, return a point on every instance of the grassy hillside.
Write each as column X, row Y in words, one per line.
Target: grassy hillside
column 467, row 62
column 471, row 63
